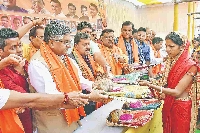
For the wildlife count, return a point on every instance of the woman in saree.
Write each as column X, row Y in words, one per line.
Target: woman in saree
column 179, row 109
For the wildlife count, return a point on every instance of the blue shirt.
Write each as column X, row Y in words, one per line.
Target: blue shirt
column 143, row 51
column 128, row 46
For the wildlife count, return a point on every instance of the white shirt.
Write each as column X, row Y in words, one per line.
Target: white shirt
column 41, row 79
column 4, row 95
column 154, row 60
column 94, row 48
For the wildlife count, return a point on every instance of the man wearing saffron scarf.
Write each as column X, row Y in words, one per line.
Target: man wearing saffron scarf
column 10, row 121
column 51, row 72
column 81, row 54
column 36, row 36
column 128, row 45
column 14, row 77
column 113, row 54
column 85, row 27
column 156, row 56
column 86, row 63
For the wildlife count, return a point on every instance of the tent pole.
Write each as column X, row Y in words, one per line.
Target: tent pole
column 175, row 16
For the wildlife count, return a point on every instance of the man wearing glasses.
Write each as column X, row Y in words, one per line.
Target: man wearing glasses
column 52, row 72
column 36, row 37
column 113, row 54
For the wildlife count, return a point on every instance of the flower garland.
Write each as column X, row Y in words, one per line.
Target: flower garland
column 86, row 72
column 170, row 62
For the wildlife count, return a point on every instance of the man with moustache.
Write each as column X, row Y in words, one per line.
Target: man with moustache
column 81, row 54
column 36, row 37
column 52, row 72
column 113, row 54
column 128, row 45
column 10, row 5
column 86, row 63
column 10, row 100
column 85, row 27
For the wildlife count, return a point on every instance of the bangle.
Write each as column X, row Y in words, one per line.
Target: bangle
column 161, row 89
column 66, row 98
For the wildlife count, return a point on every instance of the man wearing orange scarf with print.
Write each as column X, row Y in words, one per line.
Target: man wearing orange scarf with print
column 128, row 45
column 86, row 63
column 113, row 54
column 85, row 27
column 81, row 54
column 51, row 72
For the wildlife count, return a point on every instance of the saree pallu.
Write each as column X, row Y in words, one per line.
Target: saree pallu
column 181, row 114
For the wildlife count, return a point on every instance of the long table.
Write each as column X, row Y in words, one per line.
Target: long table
column 96, row 121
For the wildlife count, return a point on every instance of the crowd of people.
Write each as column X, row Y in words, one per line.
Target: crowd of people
column 60, row 85
column 90, row 13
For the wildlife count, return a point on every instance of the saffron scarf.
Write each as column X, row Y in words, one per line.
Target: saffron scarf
column 116, row 67
column 86, row 71
column 134, row 48
column 65, row 77
column 180, row 68
column 9, row 120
